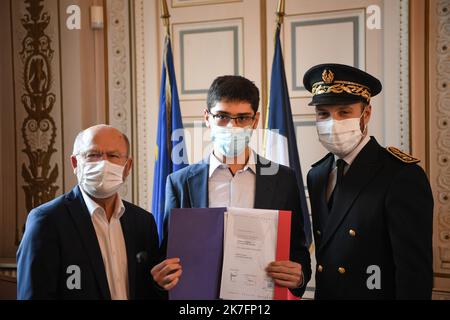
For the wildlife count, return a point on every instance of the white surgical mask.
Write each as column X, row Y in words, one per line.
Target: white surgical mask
column 340, row 137
column 100, row 179
column 231, row 141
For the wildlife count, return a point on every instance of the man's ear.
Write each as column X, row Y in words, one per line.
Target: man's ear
column 206, row 118
column 127, row 169
column 368, row 113
column 74, row 162
column 364, row 122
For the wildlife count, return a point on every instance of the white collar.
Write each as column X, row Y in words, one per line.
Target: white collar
column 93, row 206
column 352, row 155
column 215, row 163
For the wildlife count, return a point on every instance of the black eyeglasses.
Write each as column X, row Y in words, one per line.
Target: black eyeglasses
column 223, row 119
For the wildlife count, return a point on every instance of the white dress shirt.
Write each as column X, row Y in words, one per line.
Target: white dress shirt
column 348, row 162
column 226, row 190
column 112, row 245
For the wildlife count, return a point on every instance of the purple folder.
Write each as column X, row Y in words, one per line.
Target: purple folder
column 196, row 237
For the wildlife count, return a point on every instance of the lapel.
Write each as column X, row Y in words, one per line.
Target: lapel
column 83, row 222
column 320, row 178
column 265, row 185
column 198, row 185
column 128, row 223
column 363, row 169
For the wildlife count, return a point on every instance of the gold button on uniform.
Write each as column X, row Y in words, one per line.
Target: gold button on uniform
column 320, row 268
column 352, row 233
column 341, row 270
column 318, row 232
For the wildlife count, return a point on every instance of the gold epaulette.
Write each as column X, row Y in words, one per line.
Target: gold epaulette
column 400, row 155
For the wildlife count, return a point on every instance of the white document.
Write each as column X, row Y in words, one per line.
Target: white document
column 249, row 246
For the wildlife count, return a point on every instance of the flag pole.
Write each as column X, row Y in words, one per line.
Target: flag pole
column 279, row 116
column 281, row 11
column 165, row 16
column 281, row 8
column 169, row 120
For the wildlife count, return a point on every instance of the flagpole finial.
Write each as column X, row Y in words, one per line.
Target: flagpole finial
column 280, row 11
column 165, row 15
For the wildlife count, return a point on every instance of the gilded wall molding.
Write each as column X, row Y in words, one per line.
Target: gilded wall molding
column 119, row 82
column 442, row 121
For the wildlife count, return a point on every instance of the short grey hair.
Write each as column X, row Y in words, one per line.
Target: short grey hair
column 78, row 144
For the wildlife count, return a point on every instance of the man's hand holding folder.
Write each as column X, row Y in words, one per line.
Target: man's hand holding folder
column 167, row 274
column 286, row 273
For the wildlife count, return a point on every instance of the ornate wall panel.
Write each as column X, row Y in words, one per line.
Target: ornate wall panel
column 403, row 78
column 7, row 139
column 440, row 133
column 141, row 153
column 395, row 81
column 120, row 113
column 37, row 104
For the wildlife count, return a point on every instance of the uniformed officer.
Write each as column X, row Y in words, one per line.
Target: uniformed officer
column 371, row 206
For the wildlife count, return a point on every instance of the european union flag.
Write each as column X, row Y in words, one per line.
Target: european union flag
column 281, row 143
column 170, row 144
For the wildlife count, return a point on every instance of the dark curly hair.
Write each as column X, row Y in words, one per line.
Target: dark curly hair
column 233, row 89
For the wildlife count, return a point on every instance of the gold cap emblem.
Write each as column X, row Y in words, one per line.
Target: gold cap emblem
column 328, row 76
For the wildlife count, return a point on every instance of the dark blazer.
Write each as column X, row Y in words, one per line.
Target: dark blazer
column 60, row 234
column 382, row 216
column 188, row 188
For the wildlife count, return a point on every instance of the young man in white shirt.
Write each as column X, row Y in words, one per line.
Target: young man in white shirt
column 232, row 177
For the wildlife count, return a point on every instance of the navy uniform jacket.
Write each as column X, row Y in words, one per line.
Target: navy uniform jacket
column 188, row 188
column 60, row 234
column 382, row 217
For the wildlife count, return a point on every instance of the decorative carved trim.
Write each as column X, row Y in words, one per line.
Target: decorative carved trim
column 404, row 76
column 142, row 111
column 38, row 127
column 442, row 67
column 119, row 66
column 8, row 273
